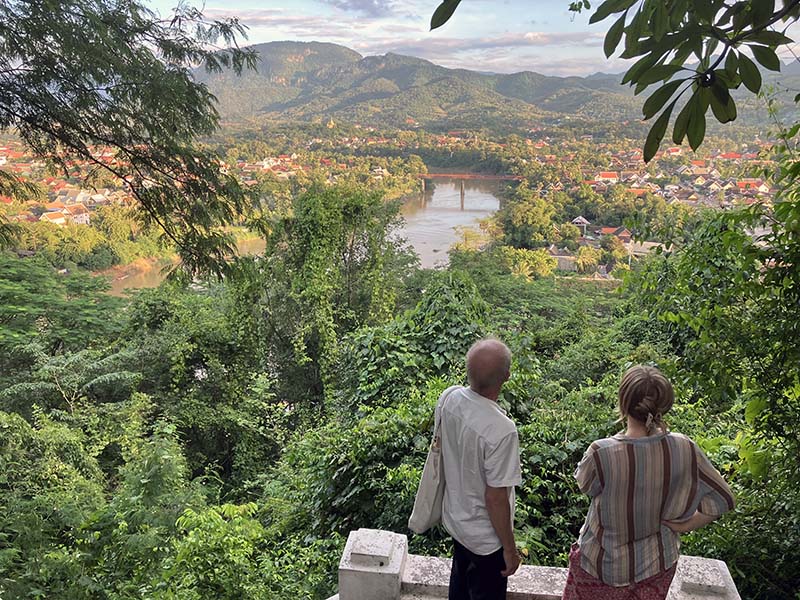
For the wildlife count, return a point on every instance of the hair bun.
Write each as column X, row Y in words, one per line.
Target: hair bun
column 646, row 395
column 646, row 405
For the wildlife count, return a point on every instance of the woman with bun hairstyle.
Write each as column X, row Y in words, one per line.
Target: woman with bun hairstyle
column 647, row 486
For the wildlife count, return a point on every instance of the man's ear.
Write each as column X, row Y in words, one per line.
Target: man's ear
column 507, row 376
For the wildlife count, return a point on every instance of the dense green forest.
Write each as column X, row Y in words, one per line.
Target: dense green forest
column 220, row 439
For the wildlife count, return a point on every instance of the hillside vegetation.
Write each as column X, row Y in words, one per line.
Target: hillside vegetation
column 312, row 80
column 220, row 439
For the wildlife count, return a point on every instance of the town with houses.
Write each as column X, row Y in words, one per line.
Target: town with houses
column 715, row 181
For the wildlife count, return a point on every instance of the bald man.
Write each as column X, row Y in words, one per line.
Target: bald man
column 480, row 451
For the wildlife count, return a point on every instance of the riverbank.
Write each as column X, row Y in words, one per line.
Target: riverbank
column 434, row 221
column 141, row 273
column 150, row 272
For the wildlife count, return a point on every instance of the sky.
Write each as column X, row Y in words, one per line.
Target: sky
column 502, row 36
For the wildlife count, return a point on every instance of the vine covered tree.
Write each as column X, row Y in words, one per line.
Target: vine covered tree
column 114, row 77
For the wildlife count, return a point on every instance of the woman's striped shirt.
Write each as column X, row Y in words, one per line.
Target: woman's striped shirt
column 635, row 484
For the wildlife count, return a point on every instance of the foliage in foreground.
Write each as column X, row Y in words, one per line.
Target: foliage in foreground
column 219, row 439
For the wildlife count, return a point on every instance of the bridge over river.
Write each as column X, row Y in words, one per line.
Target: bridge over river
column 462, row 177
column 440, row 216
column 470, row 176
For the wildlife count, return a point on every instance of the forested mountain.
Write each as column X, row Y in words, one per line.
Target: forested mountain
column 298, row 80
column 312, row 80
column 283, row 71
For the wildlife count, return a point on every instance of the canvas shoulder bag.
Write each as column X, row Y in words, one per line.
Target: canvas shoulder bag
column 428, row 502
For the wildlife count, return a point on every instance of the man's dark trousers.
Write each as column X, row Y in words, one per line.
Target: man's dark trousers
column 476, row 577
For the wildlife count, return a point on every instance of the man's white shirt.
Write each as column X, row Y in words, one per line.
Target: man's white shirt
column 480, row 447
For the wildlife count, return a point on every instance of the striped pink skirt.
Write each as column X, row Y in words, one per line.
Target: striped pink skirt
column 583, row 586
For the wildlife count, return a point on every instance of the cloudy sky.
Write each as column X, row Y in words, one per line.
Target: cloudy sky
column 487, row 35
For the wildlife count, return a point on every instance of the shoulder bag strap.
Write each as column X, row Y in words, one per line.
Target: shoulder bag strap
column 437, row 413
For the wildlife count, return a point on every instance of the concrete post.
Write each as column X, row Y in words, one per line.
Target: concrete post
column 697, row 578
column 372, row 564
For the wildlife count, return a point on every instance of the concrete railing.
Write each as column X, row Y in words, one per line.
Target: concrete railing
column 376, row 565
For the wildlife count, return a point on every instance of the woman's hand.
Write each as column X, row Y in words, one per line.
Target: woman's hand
column 677, row 526
column 696, row 521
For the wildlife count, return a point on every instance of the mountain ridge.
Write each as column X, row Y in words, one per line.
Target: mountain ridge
column 309, row 81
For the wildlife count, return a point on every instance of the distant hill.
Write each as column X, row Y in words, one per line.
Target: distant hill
column 283, row 72
column 312, row 80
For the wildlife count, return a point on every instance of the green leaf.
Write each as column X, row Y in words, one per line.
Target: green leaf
column 659, row 73
column 683, row 51
column 731, row 64
column 640, row 87
column 610, row 7
column 757, row 460
column 767, row 57
column 722, row 104
column 770, row 38
column 659, row 22
column 677, row 13
column 751, row 76
column 639, row 67
column 720, row 92
column 656, row 134
column 761, row 11
column 711, row 47
column 732, row 113
column 603, row 11
column 682, row 120
column 648, row 45
column 696, row 130
column 705, row 10
column 732, row 83
column 659, row 98
column 740, row 20
column 753, row 409
column 443, row 13
column 696, row 42
column 633, row 32
column 726, row 16
column 614, row 35
column 705, row 98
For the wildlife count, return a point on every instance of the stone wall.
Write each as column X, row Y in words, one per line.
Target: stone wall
column 376, row 565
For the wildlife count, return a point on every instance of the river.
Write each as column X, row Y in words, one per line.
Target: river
column 432, row 224
column 433, row 220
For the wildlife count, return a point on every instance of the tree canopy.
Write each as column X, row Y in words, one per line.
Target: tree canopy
column 106, row 86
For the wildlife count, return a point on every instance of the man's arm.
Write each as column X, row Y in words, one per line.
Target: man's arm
column 499, row 509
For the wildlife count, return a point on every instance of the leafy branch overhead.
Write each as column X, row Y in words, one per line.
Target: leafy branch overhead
column 718, row 37
column 115, row 77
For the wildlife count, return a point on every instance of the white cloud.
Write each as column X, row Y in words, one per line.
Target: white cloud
column 506, row 52
column 370, row 8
